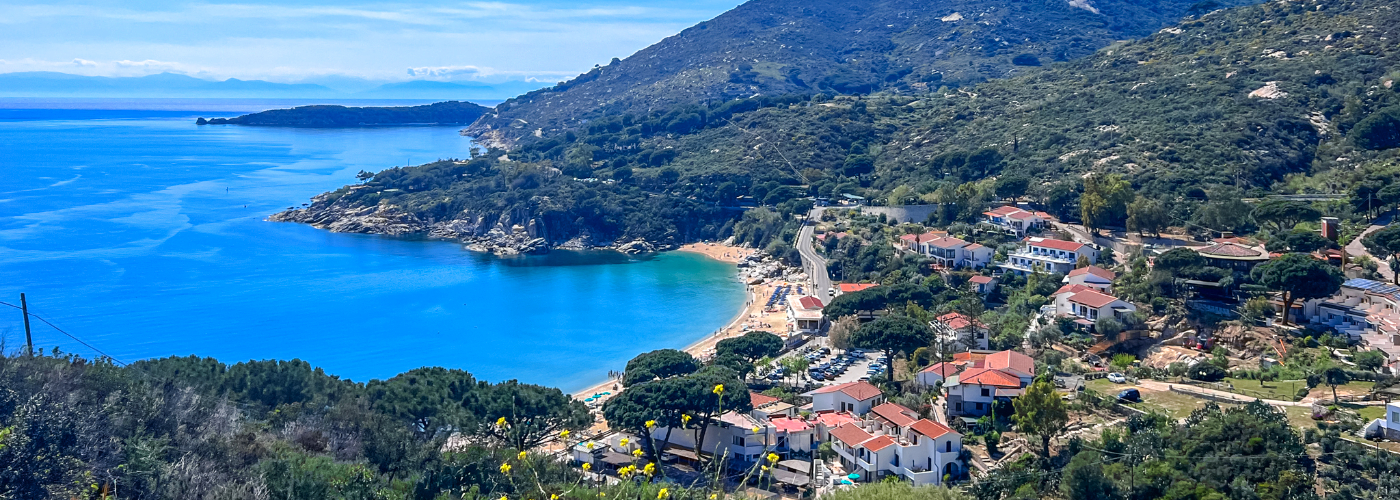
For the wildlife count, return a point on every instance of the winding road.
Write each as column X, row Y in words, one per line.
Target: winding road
column 812, row 262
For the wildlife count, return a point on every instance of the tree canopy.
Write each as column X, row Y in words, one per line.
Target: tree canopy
column 1298, row 276
column 893, row 334
column 1040, row 412
column 751, row 346
column 533, row 414
column 661, row 363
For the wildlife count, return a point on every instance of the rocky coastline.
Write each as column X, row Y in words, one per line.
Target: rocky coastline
column 504, row 234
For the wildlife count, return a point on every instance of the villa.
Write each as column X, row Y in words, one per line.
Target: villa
column 997, row 376
column 1016, row 220
column 1362, row 309
column 982, row 284
column 1049, row 256
column 893, row 441
column 852, row 397
column 1088, row 304
column 912, row 242
column 954, row 253
column 1094, row 277
column 958, row 329
column 1231, row 255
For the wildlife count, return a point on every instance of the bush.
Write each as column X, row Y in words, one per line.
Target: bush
column 1026, row 60
column 1206, row 371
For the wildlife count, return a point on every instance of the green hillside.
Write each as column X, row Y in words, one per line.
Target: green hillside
column 1188, row 116
column 775, row 47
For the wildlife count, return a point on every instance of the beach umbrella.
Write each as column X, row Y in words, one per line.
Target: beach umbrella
column 853, row 476
column 846, row 481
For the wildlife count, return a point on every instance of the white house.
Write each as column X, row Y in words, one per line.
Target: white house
column 1388, row 426
column 1049, row 256
column 1015, row 220
column 958, row 329
column 805, row 315
column 999, row 375
column 1361, row 308
column 954, row 253
column 855, row 398
column 921, row 451
column 982, row 284
column 1089, row 304
column 912, row 242
column 937, row 372
column 1094, row 277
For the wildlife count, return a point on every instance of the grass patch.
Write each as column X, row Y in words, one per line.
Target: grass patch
column 1281, row 390
column 1300, row 417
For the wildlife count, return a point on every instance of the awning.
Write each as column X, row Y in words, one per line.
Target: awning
column 789, row 477
column 796, row 465
column 1009, row 393
column 681, row 452
column 615, row 458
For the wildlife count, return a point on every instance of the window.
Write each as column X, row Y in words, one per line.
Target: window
column 985, row 393
column 959, row 405
column 1395, row 416
column 979, row 406
column 738, row 440
column 896, row 461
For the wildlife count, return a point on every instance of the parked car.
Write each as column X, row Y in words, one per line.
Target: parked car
column 1130, row 396
column 1117, row 378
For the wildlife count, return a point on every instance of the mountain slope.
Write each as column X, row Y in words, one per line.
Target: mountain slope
column 774, row 47
column 1259, row 99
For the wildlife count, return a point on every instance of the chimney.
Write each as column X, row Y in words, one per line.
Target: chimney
column 1330, row 226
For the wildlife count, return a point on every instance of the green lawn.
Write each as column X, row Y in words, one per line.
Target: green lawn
column 1173, row 404
column 1281, row 390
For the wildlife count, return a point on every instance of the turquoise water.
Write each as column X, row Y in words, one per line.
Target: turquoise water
column 144, row 235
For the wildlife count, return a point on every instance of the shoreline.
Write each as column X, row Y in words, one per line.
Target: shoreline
column 752, row 311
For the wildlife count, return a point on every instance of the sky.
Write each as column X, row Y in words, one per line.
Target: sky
column 304, row 41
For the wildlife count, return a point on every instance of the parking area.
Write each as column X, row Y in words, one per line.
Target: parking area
column 834, row 366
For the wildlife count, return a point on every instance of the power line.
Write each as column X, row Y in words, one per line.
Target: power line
column 71, row 336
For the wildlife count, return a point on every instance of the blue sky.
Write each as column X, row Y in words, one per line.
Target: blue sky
column 289, row 41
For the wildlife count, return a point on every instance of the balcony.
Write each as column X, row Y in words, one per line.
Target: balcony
column 1042, row 257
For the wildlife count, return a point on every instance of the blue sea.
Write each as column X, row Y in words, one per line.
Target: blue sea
column 144, row 235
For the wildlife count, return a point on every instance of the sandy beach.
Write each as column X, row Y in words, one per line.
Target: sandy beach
column 752, row 317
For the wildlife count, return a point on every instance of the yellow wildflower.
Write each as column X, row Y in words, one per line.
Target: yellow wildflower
column 772, row 458
column 623, row 442
column 714, row 496
column 764, row 468
column 719, row 389
column 587, row 466
column 505, row 468
column 521, row 456
column 564, row 433
column 685, row 419
column 637, row 452
column 501, row 422
column 503, row 497
column 589, row 446
column 553, row 496
column 650, row 469
column 757, row 429
column 662, row 494
column 651, row 423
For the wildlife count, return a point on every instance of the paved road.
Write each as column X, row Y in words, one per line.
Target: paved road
column 1356, row 248
column 812, row 262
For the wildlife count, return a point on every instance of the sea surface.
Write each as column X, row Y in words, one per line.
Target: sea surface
column 143, row 235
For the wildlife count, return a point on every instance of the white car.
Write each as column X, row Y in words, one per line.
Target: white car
column 1117, row 378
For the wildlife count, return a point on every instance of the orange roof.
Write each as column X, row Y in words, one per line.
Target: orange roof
column 1068, row 246
column 894, row 414
column 963, row 357
column 851, row 434
column 1003, row 211
column 1075, row 288
column 989, row 376
column 761, row 399
column 958, row 321
column 1094, row 270
column 861, row 391
column 981, row 280
column 1013, row 361
column 790, row 424
column 855, row 287
column 943, row 369
column 1092, row 299
column 930, row 429
column 810, row 302
column 878, row 443
column 947, row 242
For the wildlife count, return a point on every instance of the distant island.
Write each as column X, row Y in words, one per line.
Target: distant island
column 442, row 113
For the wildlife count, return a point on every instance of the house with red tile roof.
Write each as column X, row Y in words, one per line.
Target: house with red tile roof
column 804, row 315
column 1048, row 255
column 982, row 284
column 960, row 332
column 954, row 253
column 922, row 451
column 911, row 242
column 1015, row 220
column 854, row 287
column 1094, row 277
column 938, row 372
column 995, row 376
column 1231, row 255
column 1089, row 304
column 855, row 398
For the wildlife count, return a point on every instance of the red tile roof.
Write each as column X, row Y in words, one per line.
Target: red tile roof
column 878, row 443
column 1226, row 249
column 810, row 302
column 1092, row 299
column 861, row 391
column 946, row 242
column 761, row 399
column 851, row 434
column 981, row 280
column 1094, row 270
column 943, row 369
column 1013, row 361
column 1074, row 288
column 855, row 287
column 989, row 376
column 1004, row 210
column 966, row 356
column 975, row 246
column 894, row 414
column 958, row 321
column 1068, row 246
column 931, row 429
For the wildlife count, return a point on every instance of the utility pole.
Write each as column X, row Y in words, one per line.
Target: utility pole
column 28, row 337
